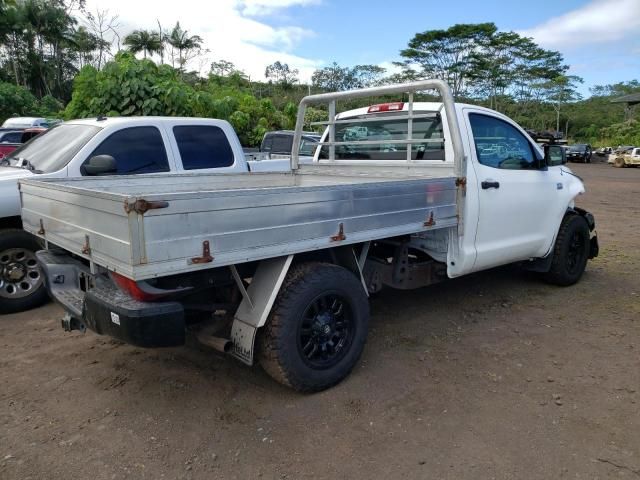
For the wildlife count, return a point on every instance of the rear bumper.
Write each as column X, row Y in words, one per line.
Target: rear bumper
column 95, row 303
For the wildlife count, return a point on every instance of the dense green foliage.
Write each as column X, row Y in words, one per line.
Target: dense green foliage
column 128, row 86
column 18, row 101
column 55, row 53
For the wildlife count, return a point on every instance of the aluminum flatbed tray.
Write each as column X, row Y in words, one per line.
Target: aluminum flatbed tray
column 156, row 225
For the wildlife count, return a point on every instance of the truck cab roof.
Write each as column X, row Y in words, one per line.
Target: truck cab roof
column 120, row 121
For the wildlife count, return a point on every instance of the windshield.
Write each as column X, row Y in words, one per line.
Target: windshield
column 374, row 137
column 577, row 148
column 53, row 149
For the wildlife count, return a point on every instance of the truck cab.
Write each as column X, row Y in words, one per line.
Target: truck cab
column 505, row 167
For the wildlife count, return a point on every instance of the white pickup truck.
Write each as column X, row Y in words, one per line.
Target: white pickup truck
column 278, row 266
column 101, row 146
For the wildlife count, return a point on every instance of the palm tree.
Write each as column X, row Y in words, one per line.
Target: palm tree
column 180, row 40
column 144, row 41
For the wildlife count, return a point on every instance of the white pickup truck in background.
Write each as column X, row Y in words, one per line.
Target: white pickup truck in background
column 278, row 266
column 105, row 146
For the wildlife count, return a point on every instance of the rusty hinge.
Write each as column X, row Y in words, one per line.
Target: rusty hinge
column 340, row 235
column 86, row 248
column 41, row 231
column 461, row 182
column 206, row 254
column 431, row 222
column 142, row 205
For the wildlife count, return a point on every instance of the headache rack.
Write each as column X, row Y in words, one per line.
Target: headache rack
column 410, row 89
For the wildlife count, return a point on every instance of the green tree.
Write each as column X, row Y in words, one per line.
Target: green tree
column 560, row 91
column 15, row 101
column 222, row 68
column 184, row 47
column 367, row 75
column 144, row 41
column 282, row 74
column 337, row 78
column 448, row 54
column 128, row 86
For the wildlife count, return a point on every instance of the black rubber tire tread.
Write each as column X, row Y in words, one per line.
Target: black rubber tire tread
column 16, row 238
column 558, row 274
column 277, row 348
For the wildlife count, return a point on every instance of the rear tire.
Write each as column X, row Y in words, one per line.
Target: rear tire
column 21, row 279
column 317, row 328
column 570, row 253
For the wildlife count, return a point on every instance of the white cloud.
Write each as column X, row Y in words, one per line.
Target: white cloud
column 267, row 7
column 600, row 21
column 225, row 27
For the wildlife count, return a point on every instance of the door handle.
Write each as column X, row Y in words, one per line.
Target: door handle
column 490, row 184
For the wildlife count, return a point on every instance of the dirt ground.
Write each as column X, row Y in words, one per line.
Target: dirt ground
column 492, row 376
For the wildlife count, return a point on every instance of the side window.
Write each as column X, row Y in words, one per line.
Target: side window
column 12, row 137
column 267, row 144
column 203, row 146
column 500, row 145
column 282, row 144
column 135, row 150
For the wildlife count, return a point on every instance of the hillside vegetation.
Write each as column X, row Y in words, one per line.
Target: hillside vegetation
column 59, row 60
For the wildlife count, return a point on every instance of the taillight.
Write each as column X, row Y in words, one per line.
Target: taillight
column 386, row 107
column 142, row 291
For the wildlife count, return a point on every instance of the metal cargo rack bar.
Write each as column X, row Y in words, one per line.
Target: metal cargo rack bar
column 375, row 119
column 331, row 99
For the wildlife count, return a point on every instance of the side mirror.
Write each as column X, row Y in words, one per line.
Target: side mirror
column 554, row 155
column 100, row 165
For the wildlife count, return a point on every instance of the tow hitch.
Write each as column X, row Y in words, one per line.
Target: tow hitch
column 70, row 323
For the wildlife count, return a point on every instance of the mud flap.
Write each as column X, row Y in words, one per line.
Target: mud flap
column 256, row 305
column 594, row 248
column 243, row 338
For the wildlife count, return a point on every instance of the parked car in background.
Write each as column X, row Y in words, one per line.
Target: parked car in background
column 620, row 150
column 628, row 158
column 28, row 122
column 10, row 136
column 580, row 152
column 12, row 139
column 604, row 151
column 103, row 146
column 281, row 142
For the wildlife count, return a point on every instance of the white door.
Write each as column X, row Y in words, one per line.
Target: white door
column 516, row 193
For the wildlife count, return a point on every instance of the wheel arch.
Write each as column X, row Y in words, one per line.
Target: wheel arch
column 10, row 222
column 543, row 264
column 258, row 300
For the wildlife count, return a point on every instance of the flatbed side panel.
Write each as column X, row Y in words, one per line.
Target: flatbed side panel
column 69, row 219
column 280, row 222
column 259, row 221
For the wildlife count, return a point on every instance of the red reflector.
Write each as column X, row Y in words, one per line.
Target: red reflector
column 132, row 288
column 386, row 107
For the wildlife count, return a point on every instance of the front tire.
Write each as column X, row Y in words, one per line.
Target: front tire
column 619, row 162
column 317, row 328
column 570, row 253
column 21, row 279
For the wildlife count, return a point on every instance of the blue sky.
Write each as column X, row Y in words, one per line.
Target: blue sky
column 600, row 39
column 374, row 31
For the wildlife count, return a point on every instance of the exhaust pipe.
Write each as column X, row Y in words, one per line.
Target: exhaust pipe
column 217, row 343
